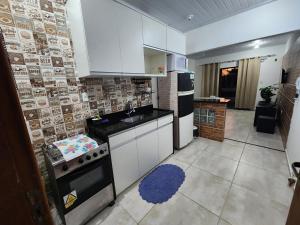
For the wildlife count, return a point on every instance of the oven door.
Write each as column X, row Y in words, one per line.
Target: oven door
column 83, row 183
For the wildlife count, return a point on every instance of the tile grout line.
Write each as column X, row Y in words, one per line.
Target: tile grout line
column 248, row 143
column 189, row 165
column 203, row 207
column 146, row 214
column 231, row 183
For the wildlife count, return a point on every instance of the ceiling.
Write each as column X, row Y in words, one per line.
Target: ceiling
column 244, row 46
column 175, row 12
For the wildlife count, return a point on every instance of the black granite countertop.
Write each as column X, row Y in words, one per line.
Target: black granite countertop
column 115, row 125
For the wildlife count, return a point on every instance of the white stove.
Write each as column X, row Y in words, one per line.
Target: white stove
column 69, row 154
column 81, row 177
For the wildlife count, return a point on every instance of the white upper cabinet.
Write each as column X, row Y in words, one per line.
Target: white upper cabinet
column 107, row 38
column 131, row 40
column 154, row 33
column 175, row 41
column 102, row 36
column 74, row 16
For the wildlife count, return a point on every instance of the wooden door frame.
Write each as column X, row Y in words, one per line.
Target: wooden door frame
column 23, row 196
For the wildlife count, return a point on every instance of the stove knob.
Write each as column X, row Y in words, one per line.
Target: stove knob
column 88, row 157
column 101, row 152
column 65, row 167
column 95, row 154
column 81, row 160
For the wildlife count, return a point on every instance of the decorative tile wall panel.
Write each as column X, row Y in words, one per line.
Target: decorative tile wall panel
column 41, row 55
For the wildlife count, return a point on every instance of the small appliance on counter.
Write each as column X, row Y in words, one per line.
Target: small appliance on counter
column 176, row 62
column 81, row 177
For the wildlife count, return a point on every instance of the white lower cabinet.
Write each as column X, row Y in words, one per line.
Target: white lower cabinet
column 125, row 165
column 147, row 151
column 165, row 141
column 136, row 151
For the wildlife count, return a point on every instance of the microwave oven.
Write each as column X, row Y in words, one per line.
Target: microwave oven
column 177, row 62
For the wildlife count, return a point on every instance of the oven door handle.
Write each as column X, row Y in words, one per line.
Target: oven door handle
column 86, row 167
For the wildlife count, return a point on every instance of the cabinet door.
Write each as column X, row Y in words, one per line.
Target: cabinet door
column 165, row 141
column 154, row 33
column 102, row 36
column 125, row 165
column 131, row 40
column 76, row 25
column 147, row 151
column 175, row 41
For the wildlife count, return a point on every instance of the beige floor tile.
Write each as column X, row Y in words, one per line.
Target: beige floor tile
column 266, row 140
column 206, row 189
column 113, row 216
column 223, row 222
column 217, row 165
column 271, row 185
column 229, row 149
column 190, row 153
column 179, row 210
column 239, row 126
column 266, row 158
column 174, row 161
column 244, row 207
column 133, row 203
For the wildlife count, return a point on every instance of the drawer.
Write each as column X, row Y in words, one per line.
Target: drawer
column 145, row 128
column 165, row 120
column 116, row 140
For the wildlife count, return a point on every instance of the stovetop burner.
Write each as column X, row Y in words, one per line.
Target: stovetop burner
column 54, row 153
column 72, row 153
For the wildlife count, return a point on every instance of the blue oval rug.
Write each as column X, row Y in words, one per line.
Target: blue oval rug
column 162, row 183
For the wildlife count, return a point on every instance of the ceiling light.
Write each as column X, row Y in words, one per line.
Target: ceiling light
column 257, row 42
column 190, row 17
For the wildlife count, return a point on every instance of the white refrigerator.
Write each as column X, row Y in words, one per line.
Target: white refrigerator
column 176, row 92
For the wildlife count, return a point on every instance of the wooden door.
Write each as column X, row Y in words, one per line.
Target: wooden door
column 22, row 195
column 294, row 215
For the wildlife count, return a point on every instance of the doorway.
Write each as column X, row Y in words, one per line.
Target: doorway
column 227, row 84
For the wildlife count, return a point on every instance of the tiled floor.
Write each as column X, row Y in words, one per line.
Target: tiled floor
column 229, row 183
column 239, row 126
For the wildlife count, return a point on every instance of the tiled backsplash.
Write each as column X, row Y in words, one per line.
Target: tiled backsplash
column 108, row 95
column 41, row 55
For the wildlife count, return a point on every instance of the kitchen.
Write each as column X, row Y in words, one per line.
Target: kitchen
column 107, row 94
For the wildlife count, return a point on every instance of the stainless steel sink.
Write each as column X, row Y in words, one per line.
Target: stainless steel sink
column 132, row 119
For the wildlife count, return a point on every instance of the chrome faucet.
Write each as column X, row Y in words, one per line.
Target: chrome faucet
column 130, row 108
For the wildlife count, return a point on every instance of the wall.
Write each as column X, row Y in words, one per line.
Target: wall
column 40, row 51
column 194, row 66
column 270, row 72
column 274, row 18
column 290, row 113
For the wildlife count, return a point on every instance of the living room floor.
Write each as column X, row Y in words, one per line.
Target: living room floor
column 239, row 127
